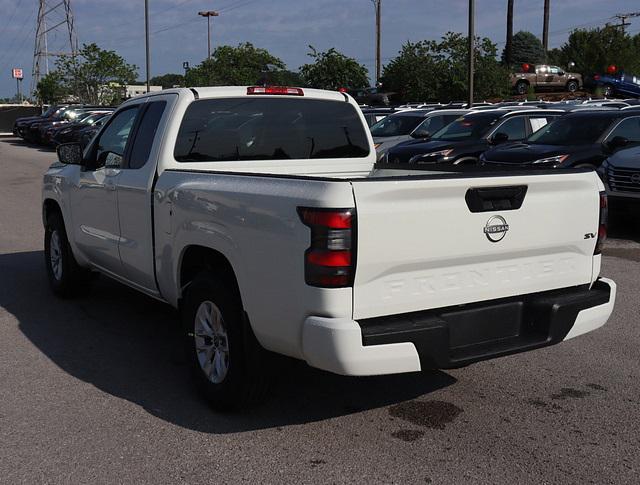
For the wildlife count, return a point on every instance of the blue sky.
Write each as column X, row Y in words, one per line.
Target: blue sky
column 285, row 27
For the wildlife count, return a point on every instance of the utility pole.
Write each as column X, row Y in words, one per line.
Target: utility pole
column 378, row 6
column 208, row 14
column 508, row 48
column 545, row 27
column 472, row 38
column 623, row 19
column 146, row 41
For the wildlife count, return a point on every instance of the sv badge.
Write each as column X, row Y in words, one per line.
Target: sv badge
column 590, row 235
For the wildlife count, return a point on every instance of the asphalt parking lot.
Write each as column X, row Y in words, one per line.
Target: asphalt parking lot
column 95, row 390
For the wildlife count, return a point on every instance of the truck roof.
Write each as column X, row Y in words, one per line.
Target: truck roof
column 210, row 92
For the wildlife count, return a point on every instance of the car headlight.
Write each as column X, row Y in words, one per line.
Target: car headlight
column 556, row 160
column 431, row 156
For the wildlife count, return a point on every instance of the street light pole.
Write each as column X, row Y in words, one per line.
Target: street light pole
column 146, row 38
column 378, row 6
column 208, row 14
column 472, row 35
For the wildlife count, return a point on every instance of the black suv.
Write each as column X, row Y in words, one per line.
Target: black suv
column 464, row 140
column 579, row 139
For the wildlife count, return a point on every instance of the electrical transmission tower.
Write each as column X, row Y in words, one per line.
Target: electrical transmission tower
column 55, row 36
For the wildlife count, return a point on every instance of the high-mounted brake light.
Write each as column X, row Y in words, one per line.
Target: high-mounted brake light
column 330, row 260
column 602, row 224
column 276, row 90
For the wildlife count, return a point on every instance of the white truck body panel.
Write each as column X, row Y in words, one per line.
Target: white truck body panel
column 420, row 247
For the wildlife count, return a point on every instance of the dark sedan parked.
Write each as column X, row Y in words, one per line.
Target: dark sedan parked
column 580, row 139
column 67, row 133
column 464, row 140
column 621, row 176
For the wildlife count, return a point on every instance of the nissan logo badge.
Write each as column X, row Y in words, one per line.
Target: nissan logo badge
column 496, row 229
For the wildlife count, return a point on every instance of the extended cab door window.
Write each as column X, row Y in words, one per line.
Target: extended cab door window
column 145, row 134
column 109, row 148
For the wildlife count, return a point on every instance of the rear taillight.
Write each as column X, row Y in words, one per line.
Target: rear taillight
column 596, row 77
column 275, row 90
column 602, row 224
column 330, row 260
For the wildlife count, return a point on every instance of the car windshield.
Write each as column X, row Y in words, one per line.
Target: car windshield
column 467, row 127
column 258, row 128
column 572, row 130
column 396, row 125
column 91, row 118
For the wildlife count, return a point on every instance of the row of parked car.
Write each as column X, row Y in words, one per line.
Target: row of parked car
column 592, row 135
column 63, row 124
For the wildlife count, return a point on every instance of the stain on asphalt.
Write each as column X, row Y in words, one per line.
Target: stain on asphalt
column 569, row 393
column 315, row 463
column 597, row 387
column 430, row 414
column 408, row 434
column 539, row 403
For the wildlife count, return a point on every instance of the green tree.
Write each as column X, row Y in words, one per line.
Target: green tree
column 413, row 74
column 333, row 70
column 593, row 50
column 234, row 66
column 526, row 48
column 50, row 89
column 95, row 75
column 437, row 71
column 167, row 81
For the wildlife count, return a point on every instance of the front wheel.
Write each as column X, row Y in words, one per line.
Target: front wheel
column 224, row 357
column 572, row 86
column 522, row 87
column 66, row 277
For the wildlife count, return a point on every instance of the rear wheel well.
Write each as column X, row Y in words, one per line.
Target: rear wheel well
column 195, row 259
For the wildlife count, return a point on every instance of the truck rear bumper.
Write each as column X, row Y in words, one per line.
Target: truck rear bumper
column 456, row 336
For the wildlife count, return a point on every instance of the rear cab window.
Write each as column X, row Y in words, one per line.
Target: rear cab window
column 263, row 128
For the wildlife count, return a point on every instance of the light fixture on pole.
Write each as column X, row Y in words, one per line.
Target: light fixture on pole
column 208, row 14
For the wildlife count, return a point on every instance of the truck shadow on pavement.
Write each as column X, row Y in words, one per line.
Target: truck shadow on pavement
column 127, row 345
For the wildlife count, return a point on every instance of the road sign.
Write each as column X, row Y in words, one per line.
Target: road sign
column 17, row 73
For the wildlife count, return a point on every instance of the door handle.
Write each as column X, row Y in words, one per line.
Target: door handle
column 490, row 199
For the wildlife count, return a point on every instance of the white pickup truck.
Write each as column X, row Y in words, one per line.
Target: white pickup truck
column 261, row 214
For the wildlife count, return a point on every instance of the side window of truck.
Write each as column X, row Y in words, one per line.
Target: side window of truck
column 109, row 149
column 145, row 134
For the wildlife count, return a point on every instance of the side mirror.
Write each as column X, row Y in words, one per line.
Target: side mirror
column 499, row 138
column 420, row 134
column 617, row 142
column 70, row 153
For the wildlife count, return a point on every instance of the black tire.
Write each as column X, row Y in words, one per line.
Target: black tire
column 522, row 87
column 66, row 277
column 572, row 86
column 245, row 381
column 607, row 90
